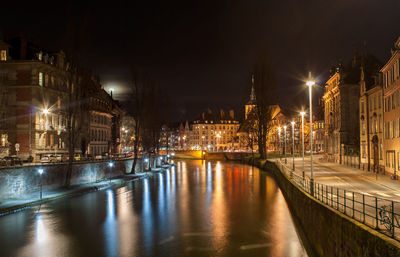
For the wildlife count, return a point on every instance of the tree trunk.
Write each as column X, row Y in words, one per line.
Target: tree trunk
column 69, row 166
column 135, row 153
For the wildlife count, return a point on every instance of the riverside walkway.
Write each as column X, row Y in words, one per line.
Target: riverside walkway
column 370, row 198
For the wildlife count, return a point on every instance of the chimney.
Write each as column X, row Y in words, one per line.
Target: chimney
column 203, row 116
column 232, row 114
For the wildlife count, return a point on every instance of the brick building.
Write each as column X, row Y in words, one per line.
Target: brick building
column 35, row 89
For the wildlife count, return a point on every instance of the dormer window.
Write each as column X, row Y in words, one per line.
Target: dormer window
column 3, row 55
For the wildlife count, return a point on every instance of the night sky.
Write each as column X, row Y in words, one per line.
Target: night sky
column 202, row 52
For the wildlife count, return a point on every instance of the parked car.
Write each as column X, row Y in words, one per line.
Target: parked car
column 103, row 156
column 61, row 157
column 79, row 157
column 48, row 158
column 13, row 160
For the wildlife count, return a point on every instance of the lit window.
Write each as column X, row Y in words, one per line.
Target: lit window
column 40, row 78
column 3, row 55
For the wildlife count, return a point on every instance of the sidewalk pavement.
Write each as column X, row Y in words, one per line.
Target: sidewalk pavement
column 352, row 179
column 12, row 205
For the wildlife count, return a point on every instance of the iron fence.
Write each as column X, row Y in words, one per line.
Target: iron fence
column 378, row 213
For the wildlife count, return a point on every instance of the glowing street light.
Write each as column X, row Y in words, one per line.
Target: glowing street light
column 110, row 164
column 46, row 111
column 293, row 141
column 310, row 82
column 302, row 137
column 40, row 171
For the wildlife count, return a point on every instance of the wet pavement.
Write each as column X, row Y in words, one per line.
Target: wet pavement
column 197, row 208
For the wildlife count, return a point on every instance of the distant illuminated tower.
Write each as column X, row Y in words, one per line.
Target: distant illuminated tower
column 252, row 101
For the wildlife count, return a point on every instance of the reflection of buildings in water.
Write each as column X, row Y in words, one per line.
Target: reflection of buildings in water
column 218, row 210
column 278, row 225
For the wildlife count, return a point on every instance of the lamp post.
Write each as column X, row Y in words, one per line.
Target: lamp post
column 279, row 138
column 310, row 82
column 302, row 137
column 40, row 171
column 293, row 141
column 284, row 128
column 110, row 164
column 146, row 160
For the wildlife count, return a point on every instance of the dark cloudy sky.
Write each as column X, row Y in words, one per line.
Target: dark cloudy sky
column 202, row 52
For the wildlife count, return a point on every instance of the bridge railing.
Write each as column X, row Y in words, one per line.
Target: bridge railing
column 378, row 213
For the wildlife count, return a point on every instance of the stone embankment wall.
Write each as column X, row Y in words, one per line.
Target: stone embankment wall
column 17, row 181
column 328, row 232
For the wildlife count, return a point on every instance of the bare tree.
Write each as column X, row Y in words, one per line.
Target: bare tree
column 152, row 122
column 264, row 86
column 137, row 106
column 73, row 109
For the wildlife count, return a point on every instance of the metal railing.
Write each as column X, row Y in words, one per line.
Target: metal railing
column 378, row 213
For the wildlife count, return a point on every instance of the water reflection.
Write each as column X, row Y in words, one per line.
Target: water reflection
column 40, row 229
column 111, row 226
column 198, row 208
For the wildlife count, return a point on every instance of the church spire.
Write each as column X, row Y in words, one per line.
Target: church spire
column 252, row 94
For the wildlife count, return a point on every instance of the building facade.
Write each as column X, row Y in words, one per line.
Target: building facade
column 341, row 102
column 215, row 132
column 40, row 92
column 391, row 98
column 371, row 124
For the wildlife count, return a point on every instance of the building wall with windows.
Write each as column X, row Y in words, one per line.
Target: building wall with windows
column 33, row 89
column 371, row 128
column 37, row 90
column 391, row 99
column 215, row 132
column 341, row 121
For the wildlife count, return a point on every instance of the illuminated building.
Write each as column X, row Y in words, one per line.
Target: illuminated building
column 341, row 101
column 215, row 132
column 36, row 88
column 371, row 123
column 391, row 99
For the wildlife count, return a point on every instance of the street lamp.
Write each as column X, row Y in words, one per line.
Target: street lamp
column 293, row 141
column 146, row 160
column 302, row 137
column 110, row 164
column 310, row 82
column 40, row 171
column 279, row 138
column 284, row 128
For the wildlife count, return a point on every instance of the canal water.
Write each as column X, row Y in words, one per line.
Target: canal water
column 198, row 208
